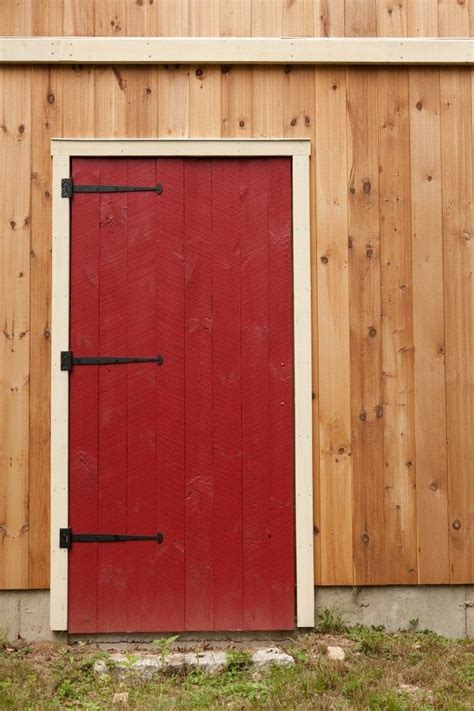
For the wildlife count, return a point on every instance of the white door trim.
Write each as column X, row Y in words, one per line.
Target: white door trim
column 299, row 150
column 236, row 50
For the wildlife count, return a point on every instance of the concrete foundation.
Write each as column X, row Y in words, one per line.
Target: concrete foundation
column 445, row 609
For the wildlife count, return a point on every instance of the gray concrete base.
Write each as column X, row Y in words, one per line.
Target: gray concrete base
column 25, row 614
column 445, row 609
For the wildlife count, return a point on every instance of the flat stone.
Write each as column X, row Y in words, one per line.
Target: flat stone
column 336, row 653
column 271, row 655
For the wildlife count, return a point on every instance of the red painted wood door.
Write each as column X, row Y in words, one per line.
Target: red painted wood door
column 201, row 447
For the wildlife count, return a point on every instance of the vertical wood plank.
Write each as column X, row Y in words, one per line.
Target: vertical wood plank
column 360, row 18
column 236, row 86
column 329, row 18
column 110, row 101
column 143, row 382
column 457, row 171
column 298, row 18
column 391, row 18
column 141, row 96
column 16, row 19
column 173, row 18
column 46, row 109
column 79, row 17
column 453, row 18
column 227, row 396
column 49, row 22
column 365, row 327
column 257, row 564
column 280, row 386
column 428, row 327
column 15, row 317
column 235, row 18
column 173, row 82
column 112, row 426
column 142, row 19
column 204, row 81
column 397, row 328
column 76, row 92
column 333, row 329
column 110, row 18
column 422, row 18
column 170, row 402
column 198, row 395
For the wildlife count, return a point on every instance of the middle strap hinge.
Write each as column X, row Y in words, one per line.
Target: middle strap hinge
column 68, row 360
column 67, row 538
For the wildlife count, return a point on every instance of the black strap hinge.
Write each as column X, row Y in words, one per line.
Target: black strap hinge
column 68, row 187
column 67, row 538
column 68, row 360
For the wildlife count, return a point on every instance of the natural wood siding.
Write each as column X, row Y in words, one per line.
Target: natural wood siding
column 392, row 262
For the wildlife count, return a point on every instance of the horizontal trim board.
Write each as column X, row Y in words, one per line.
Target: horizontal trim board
column 235, row 50
column 179, row 147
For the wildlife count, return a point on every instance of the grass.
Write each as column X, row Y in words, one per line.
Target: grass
column 400, row 672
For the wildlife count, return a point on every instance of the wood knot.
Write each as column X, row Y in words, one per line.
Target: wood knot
column 334, row 87
column 434, row 485
column 241, row 123
column 12, row 224
column 293, row 122
column 287, row 69
column 148, row 90
column 51, row 98
column 363, row 416
column 456, row 525
column 367, row 186
column 379, row 411
column 225, row 69
column 315, row 530
column 365, row 537
column 369, row 252
column 199, row 72
column 419, row 105
column 21, row 128
column 47, row 334
column 307, row 120
column 372, row 331
column 47, row 194
column 429, row 178
column 341, row 451
column 324, row 259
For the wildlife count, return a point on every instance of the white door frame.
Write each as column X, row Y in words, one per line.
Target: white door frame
column 62, row 151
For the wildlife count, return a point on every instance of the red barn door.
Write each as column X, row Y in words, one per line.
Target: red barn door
column 199, row 448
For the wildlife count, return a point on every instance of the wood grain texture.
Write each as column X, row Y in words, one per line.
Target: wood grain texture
column 333, row 327
column 365, row 328
column 456, row 155
column 245, row 102
column 397, row 328
column 14, row 313
column 428, row 326
column 300, row 18
column 329, row 18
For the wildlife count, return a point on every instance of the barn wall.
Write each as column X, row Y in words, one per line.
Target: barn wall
column 392, row 261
